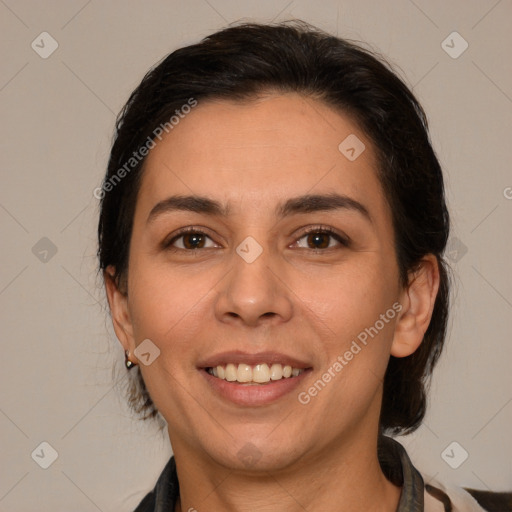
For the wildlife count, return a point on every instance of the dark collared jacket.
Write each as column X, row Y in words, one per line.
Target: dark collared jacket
column 416, row 496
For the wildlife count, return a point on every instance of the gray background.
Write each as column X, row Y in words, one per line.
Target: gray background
column 57, row 346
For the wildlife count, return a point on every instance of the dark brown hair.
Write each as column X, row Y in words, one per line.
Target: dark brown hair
column 243, row 61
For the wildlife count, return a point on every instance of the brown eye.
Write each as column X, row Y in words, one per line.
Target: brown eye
column 321, row 238
column 193, row 240
column 318, row 240
column 188, row 240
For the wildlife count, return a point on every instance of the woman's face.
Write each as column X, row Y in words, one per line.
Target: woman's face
column 249, row 285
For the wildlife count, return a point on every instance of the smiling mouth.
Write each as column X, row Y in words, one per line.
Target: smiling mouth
column 254, row 374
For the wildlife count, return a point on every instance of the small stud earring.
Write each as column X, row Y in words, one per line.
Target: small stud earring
column 129, row 364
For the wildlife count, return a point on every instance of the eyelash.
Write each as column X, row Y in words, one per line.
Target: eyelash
column 343, row 240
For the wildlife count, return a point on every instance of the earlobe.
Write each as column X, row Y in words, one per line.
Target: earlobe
column 118, row 302
column 418, row 301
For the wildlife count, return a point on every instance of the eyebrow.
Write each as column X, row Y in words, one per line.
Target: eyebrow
column 302, row 204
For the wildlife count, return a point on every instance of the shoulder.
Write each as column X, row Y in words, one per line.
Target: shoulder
column 441, row 497
column 165, row 493
column 493, row 501
column 431, row 495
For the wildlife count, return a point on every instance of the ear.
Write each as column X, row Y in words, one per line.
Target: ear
column 417, row 300
column 118, row 302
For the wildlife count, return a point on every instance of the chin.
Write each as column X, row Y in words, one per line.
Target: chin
column 256, row 454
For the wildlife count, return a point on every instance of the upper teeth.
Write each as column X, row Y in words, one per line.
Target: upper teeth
column 259, row 373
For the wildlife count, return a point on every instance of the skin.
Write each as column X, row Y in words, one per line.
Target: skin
column 311, row 304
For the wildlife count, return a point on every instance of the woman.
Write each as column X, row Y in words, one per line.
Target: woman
column 271, row 236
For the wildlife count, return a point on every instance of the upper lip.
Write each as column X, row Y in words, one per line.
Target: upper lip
column 239, row 357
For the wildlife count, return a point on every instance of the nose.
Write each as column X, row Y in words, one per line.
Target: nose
column 254, row 292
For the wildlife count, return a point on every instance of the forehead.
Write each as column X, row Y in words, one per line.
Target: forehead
column 251, row 154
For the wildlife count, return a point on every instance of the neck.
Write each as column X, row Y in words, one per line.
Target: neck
column 345, row 476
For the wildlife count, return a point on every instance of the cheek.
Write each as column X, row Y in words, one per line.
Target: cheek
column 353, row 371
column 354, row 309
column 167, row 304
column 168, row 308
column 161, row 298
column 349, row 298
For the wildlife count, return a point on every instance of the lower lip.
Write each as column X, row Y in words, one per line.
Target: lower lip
column 256, row 394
